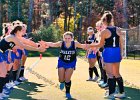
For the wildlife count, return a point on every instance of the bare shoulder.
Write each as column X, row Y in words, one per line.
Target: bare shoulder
column 10, row 38
column 104, row 32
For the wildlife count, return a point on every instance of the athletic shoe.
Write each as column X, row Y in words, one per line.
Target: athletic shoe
column 1, row 98
column 110, row 97
column 4, row 95
column 6, row 91
column 95, row 78
column 19, row 80
column 100, row 83
column 104, row 85
column 90, row 79
column 23, row 79
column 120, row 95
column 68, row 95
column 16, row 82
column 62, row 85
column 10, row 85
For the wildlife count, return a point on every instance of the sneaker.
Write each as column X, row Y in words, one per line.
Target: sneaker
column 107, row 92
column 62, row 85
column 1, row 98
column 110, row 97
column 101, row 83
column 4, row 95
column 120, row 95
column 16, row 82
column 6, row 91
column 19, row 80
column 95, row 78
column 104, row 85
column 90, row 79
column 23, row 79
column 9, row 85
column 99, row 80
column 68, row 95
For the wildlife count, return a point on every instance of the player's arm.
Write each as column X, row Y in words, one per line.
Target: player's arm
column 29, row 42
column 120, row 40
column 79, row 45
column 51, row 44
column 101, row 42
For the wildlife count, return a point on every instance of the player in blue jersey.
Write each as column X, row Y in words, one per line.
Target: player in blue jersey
column 9, row 42
column 111, row 39
column 91, row 55
column 67, row 59
column 103, row 82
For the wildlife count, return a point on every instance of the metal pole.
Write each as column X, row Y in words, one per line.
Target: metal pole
column 125, row 23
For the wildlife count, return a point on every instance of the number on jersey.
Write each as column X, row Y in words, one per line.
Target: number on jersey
column 114, row 40
column 67, row 57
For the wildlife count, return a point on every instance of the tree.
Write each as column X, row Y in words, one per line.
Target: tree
column 0, row 17
column 31, row 4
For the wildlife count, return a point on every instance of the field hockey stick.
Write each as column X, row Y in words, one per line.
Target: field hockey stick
column 33, row 65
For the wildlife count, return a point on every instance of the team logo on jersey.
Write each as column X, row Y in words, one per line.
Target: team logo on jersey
column 11, row 45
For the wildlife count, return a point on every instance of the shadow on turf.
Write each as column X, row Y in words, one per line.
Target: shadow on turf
column 24, row 91
column 132, row 93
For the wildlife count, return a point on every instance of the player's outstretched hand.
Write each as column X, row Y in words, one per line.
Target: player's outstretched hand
column 41, row 49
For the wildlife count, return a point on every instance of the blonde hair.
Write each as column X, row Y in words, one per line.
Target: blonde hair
column 99, row 23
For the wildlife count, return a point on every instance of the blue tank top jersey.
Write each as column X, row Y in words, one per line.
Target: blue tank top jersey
column 68, row 55
column 4, row 45
column 113, row 40
column 91, row 39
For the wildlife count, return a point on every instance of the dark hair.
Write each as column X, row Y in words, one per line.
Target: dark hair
column 107, row 17
column 6, row 30
column 17, row 28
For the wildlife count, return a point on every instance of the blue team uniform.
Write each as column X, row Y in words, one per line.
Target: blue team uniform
column 67, row 57
column 4, row 46
column 112, row 52
column 20, row 52
column 90, row 40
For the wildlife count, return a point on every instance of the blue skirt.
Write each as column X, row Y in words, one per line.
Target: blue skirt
column 62, row 64
column 2, row 58
column 12, row 57
column 19, row 54
column 25, row 52
column 112, row 55
column 91, row 55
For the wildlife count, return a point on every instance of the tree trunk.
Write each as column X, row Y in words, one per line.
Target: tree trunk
column 19, row 9
column 31, row 7
column 75, row 13
column 9, row 11
column 0, row 17
column 66, row 10
column 125, row 14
